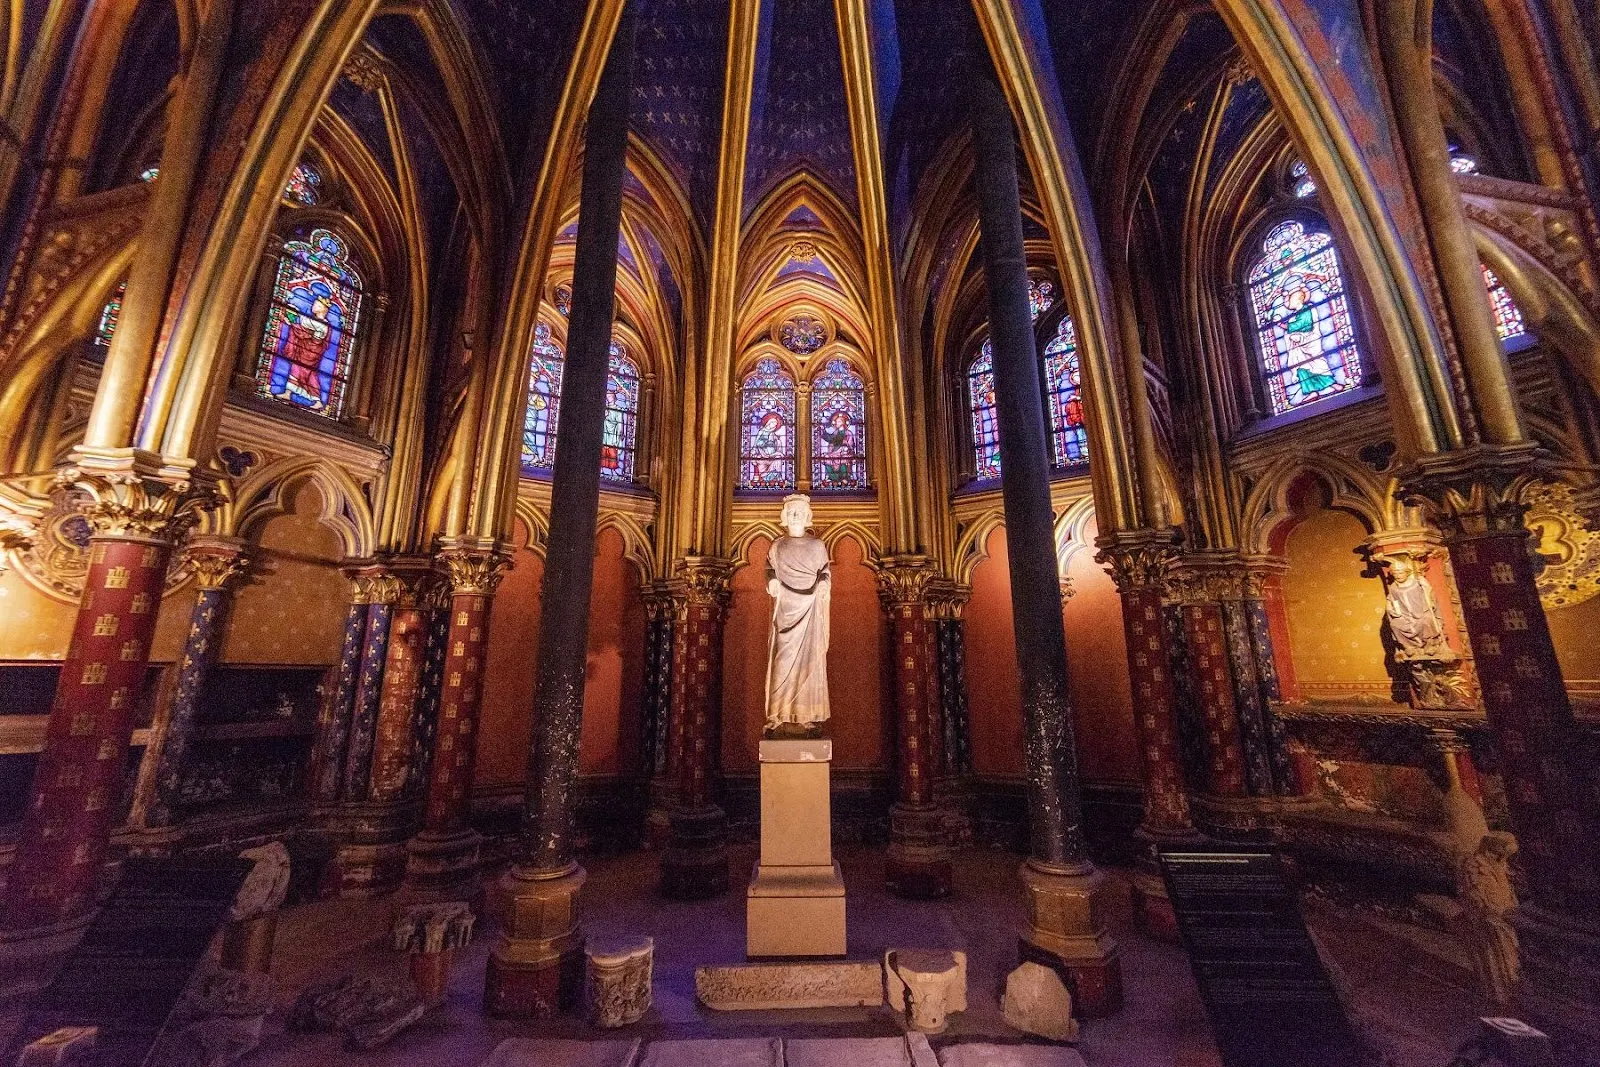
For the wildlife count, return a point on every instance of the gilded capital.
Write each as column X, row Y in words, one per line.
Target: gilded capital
column 947, row 599
column 474, row 568
column 216, row 561
column 135, row 495
column 1474, row 492
column 904, row 580
column 705, row 580
column 1137, row 559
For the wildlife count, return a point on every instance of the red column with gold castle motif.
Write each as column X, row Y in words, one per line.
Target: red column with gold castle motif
column 695, row 864
column 442, row 859
column 919, row 858
column 394, row 741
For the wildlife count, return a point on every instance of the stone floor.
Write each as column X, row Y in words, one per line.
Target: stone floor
column 1406, row 1002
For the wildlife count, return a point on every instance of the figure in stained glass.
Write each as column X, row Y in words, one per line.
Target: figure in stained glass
column 305, row 185
column 311, row 325
column 767, row 418
column 1063, row 383
column 1308, row 344
column 619, row 433
column 838, row 428
column 544, row 400
column 985, row 426
column 1508, row 321
column 1041, row 294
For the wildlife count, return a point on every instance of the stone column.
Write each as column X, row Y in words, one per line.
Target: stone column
column 948, row 602
column 394, row 742
column 919, row 859
column 1137, row 562
column 1429, row 645
column 382, row 591
column 442, row 859
column 330, row 746
column 695, row 865
column 537, row 966
column 1550, row 783
column 1263, row 580
column 61, row 845
column 661, row 609
column 1225, row 806
column 1064, row 890
column 217, row 562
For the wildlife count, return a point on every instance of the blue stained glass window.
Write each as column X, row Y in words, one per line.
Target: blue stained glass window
column 311, row 326
column 838, row 428
column 1307, row 340
column 767, row 428
column 1508, row 321
column 1041, row 294
column 1063, row 380
column 539, row 423
column 985, row 426
column 305, row 185
column 619, row 436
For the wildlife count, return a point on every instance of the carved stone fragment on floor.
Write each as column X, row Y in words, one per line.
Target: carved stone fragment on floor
column 1037, row 1002
column 367, row 1011
column 925, row 987
column 70, row 1046
column 619, row 981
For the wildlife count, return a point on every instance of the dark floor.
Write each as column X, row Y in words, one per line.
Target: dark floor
column 1400, row 1002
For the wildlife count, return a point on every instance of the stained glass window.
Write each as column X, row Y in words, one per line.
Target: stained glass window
column 1041, row 294
column 802, row 335
column 1069, row 441
column 619, row 437
column 305, row 185
column 1308, row 344
column 767, row 420
column 838, row 428
column 1462, row 162
column 985, row 426
column 545, row 365
column 1508, row 321
column 107, row 326
column 149, row 174
column 1301, row 183
column 311, row 325
column 564, row 299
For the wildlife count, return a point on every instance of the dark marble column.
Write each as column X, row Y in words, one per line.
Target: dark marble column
column 537, row 967
column 662, row 611
column 1061, row 881
column 695, row 864
column 217, row 562
column 948, row 602
column 442, row 859
column 919, row 859
column 1137, row 562
column 1550, row 779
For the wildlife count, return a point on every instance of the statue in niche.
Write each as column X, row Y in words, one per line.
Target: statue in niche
column 797, row 659
column 1413, row 614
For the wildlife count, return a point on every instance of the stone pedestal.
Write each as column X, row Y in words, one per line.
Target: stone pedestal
column 1066, row 929
column 795, row 903
column 536, row 968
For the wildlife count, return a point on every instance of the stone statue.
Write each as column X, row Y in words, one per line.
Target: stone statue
column 797, row 660
column 1484, row 891
column 1413, row 614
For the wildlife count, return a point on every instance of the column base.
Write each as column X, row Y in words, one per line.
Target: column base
column 695, row 865
column 658, row 816
column 1066, row 930
column 443, row 866
column 536, row 968
column 369, row 848
column 1152, row 910
column 918, row 864
column 1560, row 988
column 1235, row 818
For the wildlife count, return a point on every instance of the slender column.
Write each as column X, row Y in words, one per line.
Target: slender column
column 1424, row 619
column 659, row 767
column 66, row 828
column 919, row 859
column 217, row 562
column 695, row 865
column 1550, row 783
column 536, row 969
column 1061, row 881
column 1137, row 562
column 382, row 591
column 442, row 859
column 333, row 722
column 425, row 714
column 1208, row 658
column 1260, row 576
column 948, row 604
column 394, row 745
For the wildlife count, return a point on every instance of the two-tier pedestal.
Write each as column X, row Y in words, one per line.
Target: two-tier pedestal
column 795, row 904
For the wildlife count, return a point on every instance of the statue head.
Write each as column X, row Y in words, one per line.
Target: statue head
column 796, row 515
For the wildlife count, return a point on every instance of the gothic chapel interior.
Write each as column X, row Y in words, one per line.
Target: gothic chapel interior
column 1198, row 402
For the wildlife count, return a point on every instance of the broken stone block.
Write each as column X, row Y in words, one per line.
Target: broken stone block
column 379, row 1027
column 267, row 884
column 70, row 1046
column 367, row 1011
column 925, row 987
column 619, row 981
column 1037, row 1002
column 431, row 933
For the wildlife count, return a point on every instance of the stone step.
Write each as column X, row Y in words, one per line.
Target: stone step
column 912, row 1050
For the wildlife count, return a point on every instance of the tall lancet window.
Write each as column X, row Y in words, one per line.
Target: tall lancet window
column 985, row 425
column 1063, row 380
column 619, row 437
column 838, row 428
column 1508, row 321
column 311, row 326
column 1303, row 328
column 767, row 408
column 545, row 364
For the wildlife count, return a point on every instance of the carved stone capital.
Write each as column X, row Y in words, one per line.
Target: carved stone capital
column 216, row 561
column 660, row 599
column 1474, row 492
column 1137, row 559
column 1258, row 571
column 136, row 495
column 705, row 580
column 904, row 580
column 947, row 598
column 474, row 567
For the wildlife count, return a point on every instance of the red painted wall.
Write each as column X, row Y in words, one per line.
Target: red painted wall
column 994, row 689
column 508, row 675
